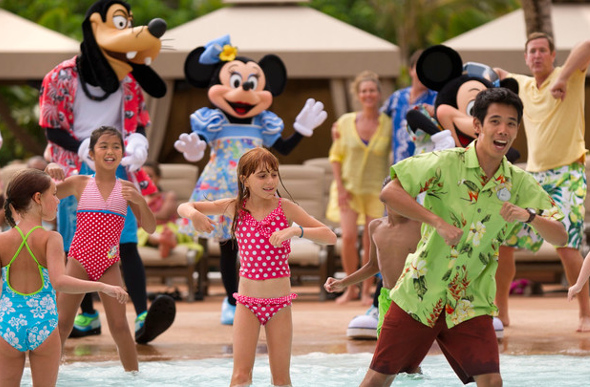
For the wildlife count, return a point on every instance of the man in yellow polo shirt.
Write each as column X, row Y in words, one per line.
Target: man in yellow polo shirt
column 474, row 198
column 553, row 118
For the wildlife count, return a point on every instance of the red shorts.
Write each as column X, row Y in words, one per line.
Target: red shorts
column 471, row 348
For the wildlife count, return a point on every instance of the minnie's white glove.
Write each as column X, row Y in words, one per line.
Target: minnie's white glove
column 310, row 117
column 83, row 153
column 136, row 152
column 443, row 140
column 0, row 140
column 191, row 146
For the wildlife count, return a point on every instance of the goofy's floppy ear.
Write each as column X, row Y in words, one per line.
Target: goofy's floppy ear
column 275, row 73
column 95, row 68
column 196, row 73
column 149, row 80
column 437, row 65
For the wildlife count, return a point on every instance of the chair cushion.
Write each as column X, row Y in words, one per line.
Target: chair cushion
column 179, row 256
column 546, row 253
column 304, row 252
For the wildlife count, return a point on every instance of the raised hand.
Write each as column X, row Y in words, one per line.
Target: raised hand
column 191, row 146
column 310, row 117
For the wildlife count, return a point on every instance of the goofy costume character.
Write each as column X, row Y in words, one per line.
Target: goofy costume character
column 102, row 86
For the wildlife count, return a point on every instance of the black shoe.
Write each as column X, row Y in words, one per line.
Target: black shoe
column 76, row 333
column 158, row 318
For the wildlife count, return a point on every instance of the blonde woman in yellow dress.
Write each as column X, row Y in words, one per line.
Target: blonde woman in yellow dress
column 360, row 160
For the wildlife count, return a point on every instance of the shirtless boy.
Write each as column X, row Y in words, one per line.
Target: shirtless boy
column 392, row 238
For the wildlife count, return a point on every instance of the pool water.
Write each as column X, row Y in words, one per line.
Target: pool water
column 320, row 369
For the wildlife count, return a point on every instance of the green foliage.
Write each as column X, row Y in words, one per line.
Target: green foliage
column 23, row 103
column 66, row 16
column 359, row 13
column 415, row 24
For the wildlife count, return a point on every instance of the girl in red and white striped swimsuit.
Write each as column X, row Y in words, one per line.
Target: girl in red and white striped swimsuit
column 263, row 227
column 99, row 224
column 103, row 201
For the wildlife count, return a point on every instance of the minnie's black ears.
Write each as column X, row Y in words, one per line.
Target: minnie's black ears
column 275, row 73
column 198, row 74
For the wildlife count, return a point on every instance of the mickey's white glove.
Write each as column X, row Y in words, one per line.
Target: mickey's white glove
column 136, row 152
column 191, row 146
column 83, row 153
column 443, row 140
column 0, row 140
column 310, row 117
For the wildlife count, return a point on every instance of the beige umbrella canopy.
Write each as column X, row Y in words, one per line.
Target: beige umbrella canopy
column 28, row 50
column 312, row 44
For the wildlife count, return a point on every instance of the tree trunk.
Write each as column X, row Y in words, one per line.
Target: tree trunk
column 537, row 16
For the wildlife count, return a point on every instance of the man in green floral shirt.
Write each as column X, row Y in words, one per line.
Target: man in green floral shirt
column 474, row 197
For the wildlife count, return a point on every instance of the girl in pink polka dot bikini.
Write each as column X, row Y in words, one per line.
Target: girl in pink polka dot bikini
column 94, row 253
column 263, row 226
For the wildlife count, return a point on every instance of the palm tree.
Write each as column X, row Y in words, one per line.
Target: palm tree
column 416, row 24
column 537, row 16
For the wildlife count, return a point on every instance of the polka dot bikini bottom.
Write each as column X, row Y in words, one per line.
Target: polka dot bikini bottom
column 265, row 308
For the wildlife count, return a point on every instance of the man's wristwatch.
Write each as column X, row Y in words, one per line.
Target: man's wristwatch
column 532, row 215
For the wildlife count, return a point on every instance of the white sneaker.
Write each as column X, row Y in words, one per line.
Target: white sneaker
column 364, row 327
column 499, row 328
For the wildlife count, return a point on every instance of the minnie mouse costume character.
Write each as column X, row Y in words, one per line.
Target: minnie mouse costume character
column 101, row 86
column 441, row 68
column 241, row 90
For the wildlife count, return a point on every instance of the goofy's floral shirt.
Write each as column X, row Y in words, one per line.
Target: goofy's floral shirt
column 56, row 105
column 459, row 280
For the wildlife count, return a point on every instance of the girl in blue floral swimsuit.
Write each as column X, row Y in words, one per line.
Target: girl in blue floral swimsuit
column 33, row 268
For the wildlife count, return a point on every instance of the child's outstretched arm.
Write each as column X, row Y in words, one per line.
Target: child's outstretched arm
column 145, row 216
column 67, row 284
column 197, row 212
column 368, row 270
column 307, row 227
column 73, row 185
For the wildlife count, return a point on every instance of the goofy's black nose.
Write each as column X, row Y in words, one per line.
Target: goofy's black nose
column 157, row 27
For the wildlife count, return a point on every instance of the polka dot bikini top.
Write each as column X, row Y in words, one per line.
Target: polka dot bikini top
column 259, row 260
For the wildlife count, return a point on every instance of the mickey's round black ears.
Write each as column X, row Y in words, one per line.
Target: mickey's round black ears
column 437, row 65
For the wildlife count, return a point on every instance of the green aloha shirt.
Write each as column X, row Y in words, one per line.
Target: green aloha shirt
column 460, row 279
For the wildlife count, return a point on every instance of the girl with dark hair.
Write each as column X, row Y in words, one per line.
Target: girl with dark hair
column 94, row 253
column 32, row 261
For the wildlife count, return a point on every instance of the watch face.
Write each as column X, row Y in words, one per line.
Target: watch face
column 532, row 214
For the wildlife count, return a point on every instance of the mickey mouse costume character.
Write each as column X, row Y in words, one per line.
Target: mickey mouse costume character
column 101, row 86
column 241, row 90
column 441, row 68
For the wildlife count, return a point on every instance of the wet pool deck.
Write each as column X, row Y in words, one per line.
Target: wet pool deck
column 540, row 325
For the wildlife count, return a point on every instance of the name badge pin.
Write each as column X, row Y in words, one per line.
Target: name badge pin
column 504, row 195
